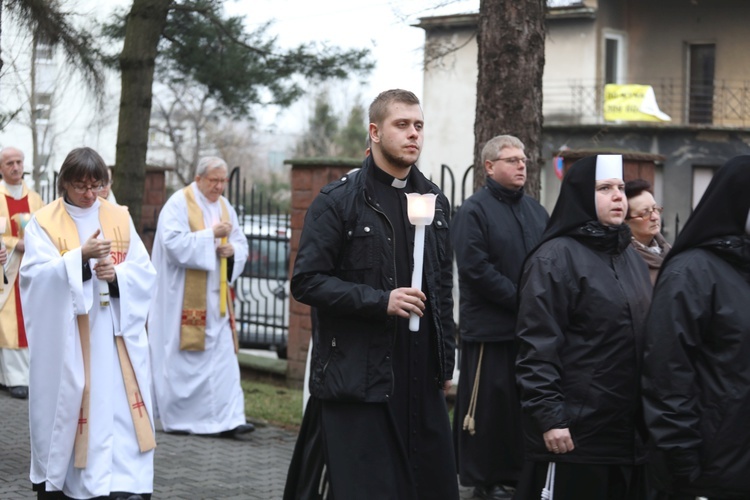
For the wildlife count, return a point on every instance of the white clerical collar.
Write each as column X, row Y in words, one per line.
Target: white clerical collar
column 15, row 190
column 202, row 198
column 399, row 183
column 75, row 211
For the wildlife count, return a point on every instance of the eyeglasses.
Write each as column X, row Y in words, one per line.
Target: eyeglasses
column 81, row 189
column 216, row 181
column 646, row 214
column 513, row 160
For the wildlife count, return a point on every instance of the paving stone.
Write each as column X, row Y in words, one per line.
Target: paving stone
column 194, row 467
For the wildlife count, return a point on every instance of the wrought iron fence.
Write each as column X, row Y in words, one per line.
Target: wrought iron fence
column 262, row 290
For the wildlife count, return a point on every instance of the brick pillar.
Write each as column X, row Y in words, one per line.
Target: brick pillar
column 308, row 177
column 154, row 197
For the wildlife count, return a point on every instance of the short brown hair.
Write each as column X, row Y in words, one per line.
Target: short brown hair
column 379, row 107
column 79, row 165
column 636, row 187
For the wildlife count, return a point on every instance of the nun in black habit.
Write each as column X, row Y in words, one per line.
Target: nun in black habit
column 696, row 380
column 583, row 299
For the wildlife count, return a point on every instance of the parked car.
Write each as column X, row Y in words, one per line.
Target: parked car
column 262, row 291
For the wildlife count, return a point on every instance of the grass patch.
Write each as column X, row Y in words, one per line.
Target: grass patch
column 271, row 401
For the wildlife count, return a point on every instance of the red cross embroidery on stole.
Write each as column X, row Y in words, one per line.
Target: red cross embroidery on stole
column 81, row 421
column 193, row 317
column 138, row 404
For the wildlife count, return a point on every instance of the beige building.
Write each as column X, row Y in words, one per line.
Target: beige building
column 692, row 54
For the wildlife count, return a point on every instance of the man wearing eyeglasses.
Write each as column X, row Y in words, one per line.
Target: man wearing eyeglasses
column 17, row 202
column 492, row 233
column 199, row 249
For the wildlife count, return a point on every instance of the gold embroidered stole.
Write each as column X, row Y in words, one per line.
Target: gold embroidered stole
column 193, row 323
column 8, row 319
column 115, row 224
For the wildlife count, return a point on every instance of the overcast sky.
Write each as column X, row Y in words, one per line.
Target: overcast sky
column 383, row 26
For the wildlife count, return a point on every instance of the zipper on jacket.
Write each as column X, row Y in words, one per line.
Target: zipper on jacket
column 333, row 346
column 395, row 283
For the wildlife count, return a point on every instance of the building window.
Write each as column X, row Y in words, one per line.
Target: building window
column 42, row 161
column 43, row 48
column 614, row 58
column 43, row 107
column 701, row 178
column 701, row 63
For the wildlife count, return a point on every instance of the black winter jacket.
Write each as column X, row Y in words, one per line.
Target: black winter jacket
column 492, row 233
column 580, row 328
column 696, row 381
column 346, row 269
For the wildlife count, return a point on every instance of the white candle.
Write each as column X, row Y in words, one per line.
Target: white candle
column 421, row 210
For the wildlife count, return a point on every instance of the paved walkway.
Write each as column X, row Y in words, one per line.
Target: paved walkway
column 186, row 467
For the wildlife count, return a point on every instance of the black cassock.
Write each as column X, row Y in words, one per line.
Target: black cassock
column 401, row 449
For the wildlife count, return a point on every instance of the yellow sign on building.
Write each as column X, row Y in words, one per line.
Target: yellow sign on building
column 631, row 103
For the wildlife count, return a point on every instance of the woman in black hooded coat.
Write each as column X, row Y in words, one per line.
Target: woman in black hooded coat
column 696, row 380
column 584, row 295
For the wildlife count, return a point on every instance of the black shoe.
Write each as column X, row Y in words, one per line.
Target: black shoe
column 495, row 492
column 19, row 392
column 119, row 495
column 238, row 431
column 178, row 433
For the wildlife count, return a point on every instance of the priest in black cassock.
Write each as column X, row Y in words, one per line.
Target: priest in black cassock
column 492, row 233
column 376, row 425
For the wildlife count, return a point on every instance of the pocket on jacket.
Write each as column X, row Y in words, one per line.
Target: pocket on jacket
column 442, row 234
column 360, row 248
column 342, row 375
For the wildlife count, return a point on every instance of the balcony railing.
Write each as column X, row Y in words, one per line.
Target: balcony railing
column 720, row 103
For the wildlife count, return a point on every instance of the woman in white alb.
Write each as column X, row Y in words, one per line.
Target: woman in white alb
column 86, row 282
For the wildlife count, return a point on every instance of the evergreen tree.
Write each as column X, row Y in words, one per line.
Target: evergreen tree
column 351, row 138
column 320, row 138
column 193, row 41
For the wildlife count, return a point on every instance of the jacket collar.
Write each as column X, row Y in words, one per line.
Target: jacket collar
column 503, row 193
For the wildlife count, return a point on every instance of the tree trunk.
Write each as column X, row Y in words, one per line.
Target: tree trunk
column 509, row 87
column 1, row 33
column 33, row 124
column 145, row 24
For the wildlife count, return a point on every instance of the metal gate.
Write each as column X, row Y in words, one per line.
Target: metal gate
column 448, row 185
column 262, row 290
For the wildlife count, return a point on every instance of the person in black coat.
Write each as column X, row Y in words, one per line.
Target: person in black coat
column 376, row 425
column 696, row 380
column 584, row 295
column 492, row 233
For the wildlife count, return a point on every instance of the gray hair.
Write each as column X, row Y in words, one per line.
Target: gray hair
column 8, row 149
column 492, row 148
column 208, row 163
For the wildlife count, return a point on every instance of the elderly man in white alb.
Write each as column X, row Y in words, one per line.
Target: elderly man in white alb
column 17, row 202
column 199, row 249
